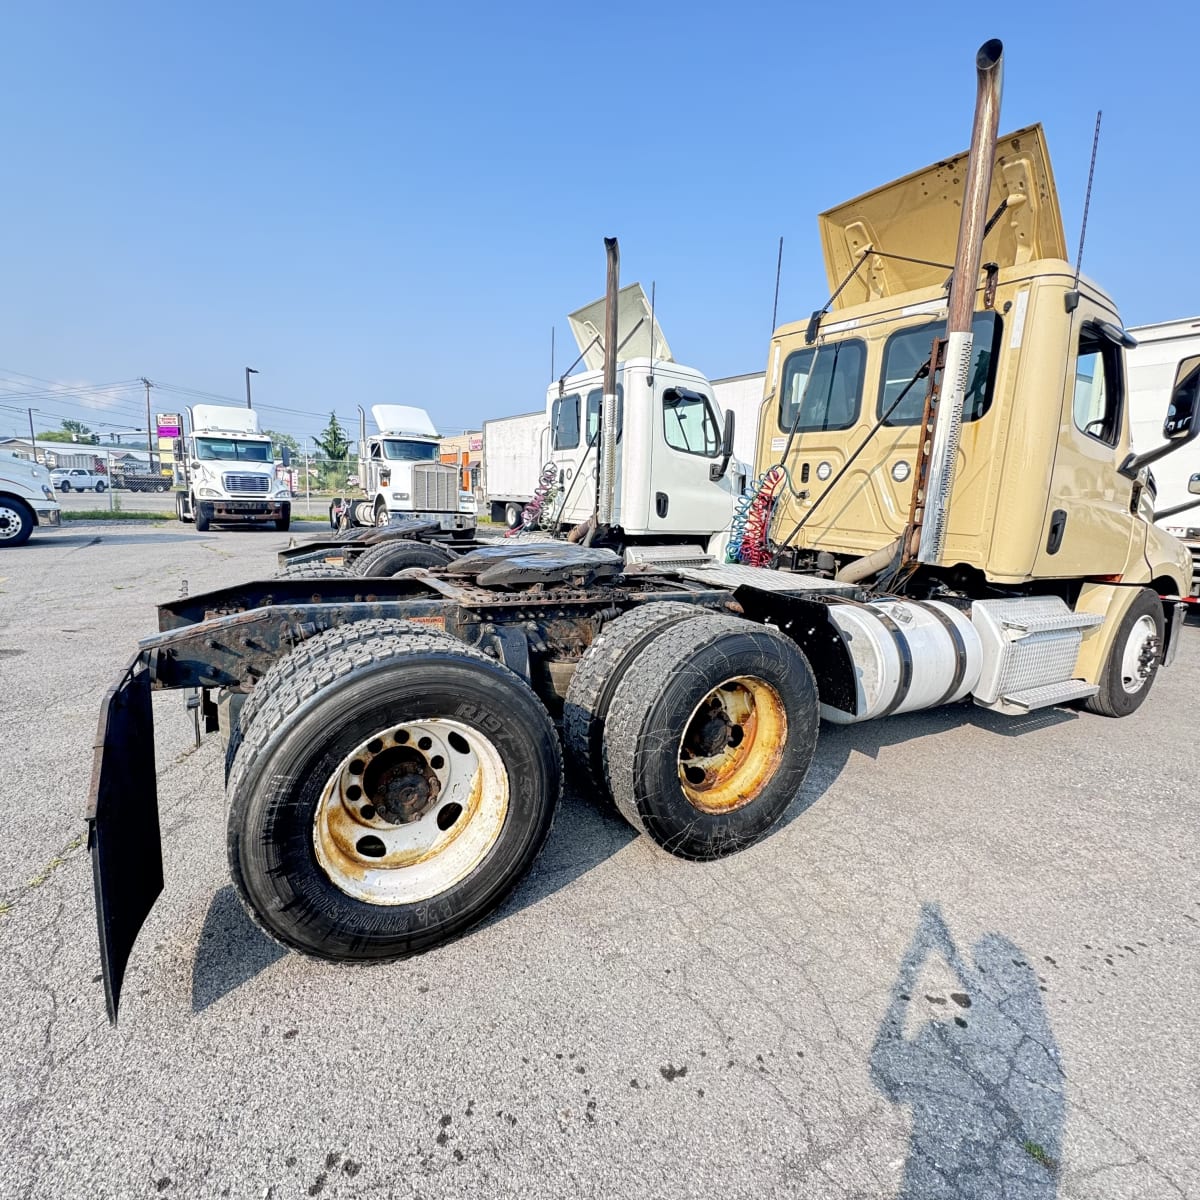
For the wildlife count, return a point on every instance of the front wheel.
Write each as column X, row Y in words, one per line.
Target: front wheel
column 390, row 798
column 64, row 486
column 1133, row 659
column 16, row 522
column 283, row 523
column 203, row 516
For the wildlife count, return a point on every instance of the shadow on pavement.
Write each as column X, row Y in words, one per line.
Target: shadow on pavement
column 977, row 1065
column 232, row 950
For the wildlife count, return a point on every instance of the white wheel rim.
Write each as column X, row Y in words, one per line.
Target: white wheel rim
column 1137, row 662
column 10, row 523
column 386, row 834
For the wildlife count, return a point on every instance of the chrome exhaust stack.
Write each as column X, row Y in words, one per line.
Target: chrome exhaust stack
column 607, row 466
column 943, row 456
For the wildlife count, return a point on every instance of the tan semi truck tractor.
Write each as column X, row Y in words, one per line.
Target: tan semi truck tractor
column 396, row 744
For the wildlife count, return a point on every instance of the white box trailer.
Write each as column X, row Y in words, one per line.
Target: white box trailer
column 743, row 396
column 514, row 451
column 1151, row 365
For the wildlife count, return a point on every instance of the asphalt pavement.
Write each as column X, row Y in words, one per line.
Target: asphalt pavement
column 964, row 966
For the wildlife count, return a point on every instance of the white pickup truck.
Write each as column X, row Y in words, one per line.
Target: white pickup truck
column 26, row 499
column 77, row 479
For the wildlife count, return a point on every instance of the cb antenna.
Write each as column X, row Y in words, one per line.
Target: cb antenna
column 551, row 353
column 778, row 273
column 1087, row 203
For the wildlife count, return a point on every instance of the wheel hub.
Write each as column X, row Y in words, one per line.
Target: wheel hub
column 401, row 785
column 732, row 744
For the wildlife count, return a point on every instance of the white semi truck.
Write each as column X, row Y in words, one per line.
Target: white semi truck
column 26, row 499
column 225, row 470
column 401, row 475
column 677, row 479
column 1151, row 366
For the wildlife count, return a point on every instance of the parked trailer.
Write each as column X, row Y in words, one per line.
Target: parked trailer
column 514, row 451
column 1177, row 479
column 393, row 764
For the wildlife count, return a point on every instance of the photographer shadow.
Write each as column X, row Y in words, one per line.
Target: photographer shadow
column 977, row 1065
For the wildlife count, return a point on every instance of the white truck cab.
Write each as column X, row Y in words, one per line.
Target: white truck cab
column 400, row 469
column 26, row 499
column 226, row 471
column 675, row 478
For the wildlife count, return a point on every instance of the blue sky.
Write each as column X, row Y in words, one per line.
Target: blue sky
column 386, row 202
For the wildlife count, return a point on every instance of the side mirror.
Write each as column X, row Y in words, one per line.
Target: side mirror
column 1181, row 425
column 1181, row 420
column 285, row 456
column 717, row 471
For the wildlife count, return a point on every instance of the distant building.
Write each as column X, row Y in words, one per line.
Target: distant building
column 469, row 444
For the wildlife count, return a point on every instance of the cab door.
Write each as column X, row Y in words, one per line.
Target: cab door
column 1090, row 514
column 686, row 439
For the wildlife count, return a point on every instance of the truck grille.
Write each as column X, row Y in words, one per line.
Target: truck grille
column 257, row 485
column 435, row 488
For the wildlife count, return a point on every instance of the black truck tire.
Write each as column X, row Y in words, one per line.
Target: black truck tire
column 334, row 505
column 342, row 845
column 16, row 522
column 513, row 513
column 284, row 522
column 589, row 696
column 180, row 502
column 389, row 558
column 710, row 735
column 312, row 570
column 1137, row 648
column 100, row 486
column 304, row 655
column 202, row 515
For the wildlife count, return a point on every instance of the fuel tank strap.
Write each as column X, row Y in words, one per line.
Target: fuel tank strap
column 960, row 650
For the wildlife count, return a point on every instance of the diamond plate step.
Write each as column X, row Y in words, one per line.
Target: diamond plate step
column 1052, row 622
column 1047, row 694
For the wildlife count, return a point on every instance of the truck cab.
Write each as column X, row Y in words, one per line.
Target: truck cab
column 226, row 471
column 400, row 469
column 27, row 499
column 676, row 477
column 1046, row 490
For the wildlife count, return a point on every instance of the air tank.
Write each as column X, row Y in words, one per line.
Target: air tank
column 907, row 655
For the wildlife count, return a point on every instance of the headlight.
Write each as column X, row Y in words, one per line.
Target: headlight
column 48, row 491
column 399, row 495
column 209, row 492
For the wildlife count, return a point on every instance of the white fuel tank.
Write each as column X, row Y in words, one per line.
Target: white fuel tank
column 907, row 655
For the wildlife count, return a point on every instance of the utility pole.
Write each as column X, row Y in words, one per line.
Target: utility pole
column 149, row 442
column 32, row 438
column 249, row 371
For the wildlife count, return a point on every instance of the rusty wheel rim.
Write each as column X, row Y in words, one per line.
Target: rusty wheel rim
column 411, row 811
column 732, row 744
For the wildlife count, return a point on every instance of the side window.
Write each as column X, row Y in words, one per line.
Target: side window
column 592, row 422
column 822, row 386
column 376, row 450
column 1096, row 406
column 907, row 350
column 689, row 424
column 564, row 420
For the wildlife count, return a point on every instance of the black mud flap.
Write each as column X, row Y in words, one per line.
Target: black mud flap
column 123, row 834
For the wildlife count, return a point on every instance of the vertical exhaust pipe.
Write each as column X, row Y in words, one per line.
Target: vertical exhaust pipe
column 943, row 458
column 607, row 466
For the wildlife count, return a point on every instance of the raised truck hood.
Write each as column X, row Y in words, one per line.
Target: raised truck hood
column 918, row 216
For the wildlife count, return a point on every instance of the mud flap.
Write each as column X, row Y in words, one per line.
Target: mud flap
column 123, row 834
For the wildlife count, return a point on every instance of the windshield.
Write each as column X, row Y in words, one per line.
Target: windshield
column 230, row 450
column 399, row 451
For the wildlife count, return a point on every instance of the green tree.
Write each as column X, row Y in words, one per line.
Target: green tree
column 71, row 431
column 284, row 439
column 333, row 441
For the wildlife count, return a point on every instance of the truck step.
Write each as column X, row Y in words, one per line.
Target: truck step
column 1023, row 625
column 1044, row 696
column 668, row 556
